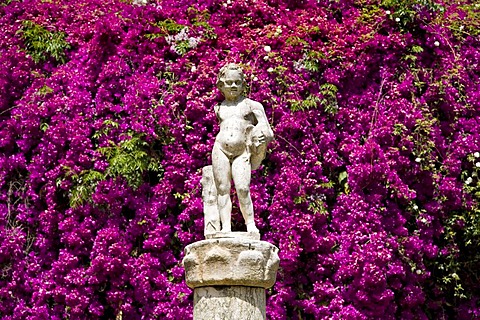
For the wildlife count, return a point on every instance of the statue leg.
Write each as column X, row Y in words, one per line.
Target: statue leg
column 222, row 174
column 241, row 172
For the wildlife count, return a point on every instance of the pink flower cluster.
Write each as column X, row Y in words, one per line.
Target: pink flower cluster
column 368, row 189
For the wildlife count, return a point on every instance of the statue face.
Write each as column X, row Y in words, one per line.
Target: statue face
column 232, row 86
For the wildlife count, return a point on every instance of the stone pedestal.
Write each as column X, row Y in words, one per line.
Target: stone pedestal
column 229, row 276
column 229, row 302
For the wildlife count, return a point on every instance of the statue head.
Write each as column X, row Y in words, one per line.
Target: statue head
column 231, row 81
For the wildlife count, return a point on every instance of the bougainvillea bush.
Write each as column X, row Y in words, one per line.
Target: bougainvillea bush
column 371, row 188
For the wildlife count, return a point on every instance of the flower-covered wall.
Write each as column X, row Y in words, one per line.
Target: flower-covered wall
column 370, row 189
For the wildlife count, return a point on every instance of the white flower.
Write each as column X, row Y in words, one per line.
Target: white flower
column 174, row 48
column 193, row 42
column 468, row 181
column 266, row 58
column 476, row 154
column 397, row 19
column 270, row 69
column 298, row 65
column 255, row 79
column 477, row 164
column 418, row 160
column 182, row 35
column 415, row 207
column 267, row 48
column 418, row 271
column 436, row 43
column 169, row 39
column 388, row 12
column 194, row 69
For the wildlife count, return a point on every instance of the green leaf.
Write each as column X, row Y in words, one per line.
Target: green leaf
column 417, row 49
column 41, row 43
column 342, row 176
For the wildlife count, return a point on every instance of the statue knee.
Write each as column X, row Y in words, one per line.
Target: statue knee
column 243, row 192
column 223, row 189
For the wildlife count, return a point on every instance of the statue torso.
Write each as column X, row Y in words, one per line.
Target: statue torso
column 236, row 121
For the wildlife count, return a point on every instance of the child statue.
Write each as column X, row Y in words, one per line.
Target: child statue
column 239, row 148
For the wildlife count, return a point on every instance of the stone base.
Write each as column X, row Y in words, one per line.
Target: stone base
column 231, row 262
column 236, row 234
column 229, row 302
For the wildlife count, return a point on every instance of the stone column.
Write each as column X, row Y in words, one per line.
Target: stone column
column 229, row 274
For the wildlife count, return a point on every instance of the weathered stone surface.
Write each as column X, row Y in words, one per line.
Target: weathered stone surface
column 231, row 262
column 235, row 234
column 229, row 302
column 210, row 208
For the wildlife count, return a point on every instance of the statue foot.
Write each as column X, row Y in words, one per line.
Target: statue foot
column 252, row 228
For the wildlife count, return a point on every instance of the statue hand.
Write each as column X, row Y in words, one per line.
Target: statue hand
column 259, row 139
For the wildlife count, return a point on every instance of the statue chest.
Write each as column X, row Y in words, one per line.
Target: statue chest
column 238, row 112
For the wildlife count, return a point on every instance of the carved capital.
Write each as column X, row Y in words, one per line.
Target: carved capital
column 231, row 262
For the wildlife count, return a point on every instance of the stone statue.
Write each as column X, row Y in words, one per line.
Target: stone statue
column 239, row 148
column 229, row 271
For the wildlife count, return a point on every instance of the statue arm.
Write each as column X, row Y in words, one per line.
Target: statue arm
column 261, row 117
column 262, row 134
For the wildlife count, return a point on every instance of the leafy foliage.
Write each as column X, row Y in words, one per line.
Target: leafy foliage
column 309, row 103
column 130, row 160
column 41, row 44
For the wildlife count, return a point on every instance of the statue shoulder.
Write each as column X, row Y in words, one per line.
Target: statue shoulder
column 254, row 105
